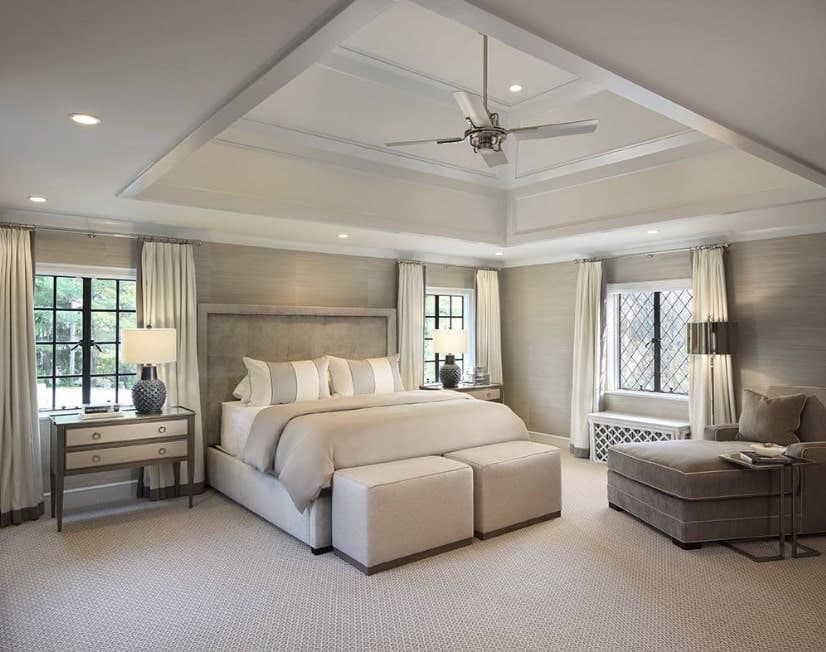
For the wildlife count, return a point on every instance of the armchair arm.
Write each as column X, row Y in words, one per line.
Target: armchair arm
column 809, row 450
column 724, row 432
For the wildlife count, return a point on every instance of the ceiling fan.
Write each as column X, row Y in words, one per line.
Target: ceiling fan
column 486, row 135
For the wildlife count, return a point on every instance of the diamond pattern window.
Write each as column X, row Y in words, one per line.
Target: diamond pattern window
column 649, row 347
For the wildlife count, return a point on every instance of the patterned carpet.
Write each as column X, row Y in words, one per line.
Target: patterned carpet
column 159, row 577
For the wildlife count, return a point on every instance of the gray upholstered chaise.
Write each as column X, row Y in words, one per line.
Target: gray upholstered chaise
column 685, row 490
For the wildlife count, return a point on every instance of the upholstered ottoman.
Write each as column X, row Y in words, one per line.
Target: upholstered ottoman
column 685, row 490
column 515, row 484
column 385, row 515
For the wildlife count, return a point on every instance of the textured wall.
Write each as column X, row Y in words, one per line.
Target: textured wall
column 777, row 296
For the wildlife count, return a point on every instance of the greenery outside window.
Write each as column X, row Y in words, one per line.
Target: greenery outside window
column 78, row 322
column 447, row 308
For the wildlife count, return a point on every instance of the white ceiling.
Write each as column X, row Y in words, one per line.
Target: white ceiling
column 308, row 161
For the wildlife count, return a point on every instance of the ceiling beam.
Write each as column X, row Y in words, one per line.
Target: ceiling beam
column 496, row 27
column 347, row 17
column 633, row 156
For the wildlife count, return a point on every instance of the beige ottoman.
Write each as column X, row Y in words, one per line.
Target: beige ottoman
column 515, row 483
column 385, row 515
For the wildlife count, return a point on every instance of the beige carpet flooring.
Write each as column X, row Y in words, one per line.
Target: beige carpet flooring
column 160, row 577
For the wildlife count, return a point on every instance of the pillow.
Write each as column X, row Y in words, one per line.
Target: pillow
column 770, row 420
column 370, row 376
column 812, row 420
column 242, row 389
column 272, row 383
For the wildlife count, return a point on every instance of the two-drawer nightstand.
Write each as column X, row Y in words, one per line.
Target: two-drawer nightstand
column 491, row 392
column 133, row 440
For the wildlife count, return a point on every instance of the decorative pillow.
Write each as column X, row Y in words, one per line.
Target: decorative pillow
column 272, row 383
column 812, row 420
column 770, row 420
column 242, row 390
column 370, row 376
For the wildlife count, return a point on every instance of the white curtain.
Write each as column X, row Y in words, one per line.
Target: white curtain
column 585, row 392
column 21, row 477
column 488, row 328
column 410, row 315
column 168, row 299
column 708, row 283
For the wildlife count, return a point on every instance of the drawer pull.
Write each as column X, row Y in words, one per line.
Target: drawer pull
column 162, row 429
column 95, row 458
column 161, row 451
column 96, row 435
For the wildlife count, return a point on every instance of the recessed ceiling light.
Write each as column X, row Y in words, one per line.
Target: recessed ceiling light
column 500, row 253
column 653, row 231
column 37, row 199
column 343, row 236
column 85, row 119
column 515, row 88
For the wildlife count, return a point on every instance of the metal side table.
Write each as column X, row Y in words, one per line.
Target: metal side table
column 798, row 550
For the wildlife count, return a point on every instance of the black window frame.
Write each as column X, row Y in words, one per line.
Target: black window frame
column 86, row 343
column 437, row 359
column 655, row 342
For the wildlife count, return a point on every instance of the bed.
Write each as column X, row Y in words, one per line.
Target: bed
column 278, row 461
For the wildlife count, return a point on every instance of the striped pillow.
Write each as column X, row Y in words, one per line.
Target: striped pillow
column 272, row 383
column 370, row 376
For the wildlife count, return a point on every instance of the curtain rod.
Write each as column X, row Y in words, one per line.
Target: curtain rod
column 425, row 263
column 721, row 245
column 108, row 234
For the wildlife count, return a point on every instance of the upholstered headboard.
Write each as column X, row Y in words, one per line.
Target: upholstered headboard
column 228, row 332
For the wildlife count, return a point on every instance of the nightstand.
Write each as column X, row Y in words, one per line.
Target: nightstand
column 491, row 392
column 134, row 440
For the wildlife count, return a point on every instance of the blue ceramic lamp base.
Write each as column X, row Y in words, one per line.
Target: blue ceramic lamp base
column 149, row 393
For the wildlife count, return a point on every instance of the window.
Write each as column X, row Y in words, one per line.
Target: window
column 646, row 335
column 447, row 308
column 78, row 321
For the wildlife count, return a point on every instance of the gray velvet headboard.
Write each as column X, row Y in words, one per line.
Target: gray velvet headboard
column 228, row 332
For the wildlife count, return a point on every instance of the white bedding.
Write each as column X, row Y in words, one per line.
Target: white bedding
column 236, row 421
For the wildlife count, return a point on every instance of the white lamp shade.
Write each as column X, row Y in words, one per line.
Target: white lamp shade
column 450, row 341
column 149, row 345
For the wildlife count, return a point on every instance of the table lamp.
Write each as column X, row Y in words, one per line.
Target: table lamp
column 450, row 342
column 148, row 347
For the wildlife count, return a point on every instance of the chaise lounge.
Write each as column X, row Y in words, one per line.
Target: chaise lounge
column 685, row 490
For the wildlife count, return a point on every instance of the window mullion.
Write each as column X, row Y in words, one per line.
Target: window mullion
column 657, row 343
column 86, row 342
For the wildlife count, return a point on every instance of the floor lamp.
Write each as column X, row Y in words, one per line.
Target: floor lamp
column 711, row 338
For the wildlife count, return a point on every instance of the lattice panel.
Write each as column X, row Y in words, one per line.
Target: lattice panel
column 675, row 313
column 606, row 435
column 636, row 327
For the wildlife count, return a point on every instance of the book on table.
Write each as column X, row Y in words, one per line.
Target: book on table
column 755, row 458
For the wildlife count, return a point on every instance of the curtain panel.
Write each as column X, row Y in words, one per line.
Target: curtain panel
column 587, row 361
column 708, row 283
column 488, row 323
column 21, row 476
column 166, row 277
column 410, row 315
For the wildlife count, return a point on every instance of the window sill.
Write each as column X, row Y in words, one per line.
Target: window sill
column 656, row 396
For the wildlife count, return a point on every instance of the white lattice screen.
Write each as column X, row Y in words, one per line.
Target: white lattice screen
column 609, row 429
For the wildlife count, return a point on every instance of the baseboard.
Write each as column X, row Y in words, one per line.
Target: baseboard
column 551, row 440
column 98, row 495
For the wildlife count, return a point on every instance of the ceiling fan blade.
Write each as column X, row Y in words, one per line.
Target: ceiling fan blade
column 439, row 141
column 492, row 158
column 473, row 107
column 555, row 130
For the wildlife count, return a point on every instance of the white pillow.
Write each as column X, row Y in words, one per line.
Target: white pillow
column 370, row 376
column 272, row 383
column 242, row 390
